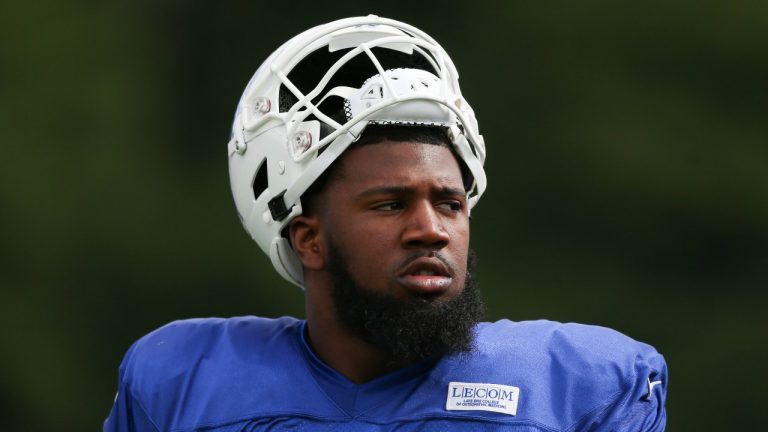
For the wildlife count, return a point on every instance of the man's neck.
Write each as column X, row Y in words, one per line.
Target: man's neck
column 346, row 353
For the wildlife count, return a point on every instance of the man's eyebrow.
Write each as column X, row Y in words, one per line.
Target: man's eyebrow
column 397, row 190
column 383, row 190
column 452, row 191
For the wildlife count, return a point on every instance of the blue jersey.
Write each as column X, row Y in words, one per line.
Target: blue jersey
column 257, row 374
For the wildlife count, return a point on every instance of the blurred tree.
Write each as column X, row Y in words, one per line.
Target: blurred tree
column 627, row 154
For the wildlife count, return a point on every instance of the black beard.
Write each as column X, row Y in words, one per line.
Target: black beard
column 411, row 329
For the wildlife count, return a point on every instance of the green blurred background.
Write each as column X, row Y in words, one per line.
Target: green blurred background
column 627, row 144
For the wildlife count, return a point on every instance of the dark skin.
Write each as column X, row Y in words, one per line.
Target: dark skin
column 388, row 208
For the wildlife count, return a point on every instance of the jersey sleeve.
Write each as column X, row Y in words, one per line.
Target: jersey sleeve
column 127, row 414
column 641, row 407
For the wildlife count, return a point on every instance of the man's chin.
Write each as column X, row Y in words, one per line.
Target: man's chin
column 413, row 327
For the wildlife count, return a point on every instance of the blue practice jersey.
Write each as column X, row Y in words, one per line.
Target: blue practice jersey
column 258, row 374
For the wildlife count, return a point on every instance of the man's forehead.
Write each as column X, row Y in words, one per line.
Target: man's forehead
column 400, row 161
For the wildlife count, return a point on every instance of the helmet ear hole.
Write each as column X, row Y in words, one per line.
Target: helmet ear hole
column 260, row 180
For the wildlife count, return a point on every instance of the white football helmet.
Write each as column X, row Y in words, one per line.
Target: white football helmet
column 313, row 97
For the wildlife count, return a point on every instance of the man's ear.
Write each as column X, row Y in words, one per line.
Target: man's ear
column 307, row 241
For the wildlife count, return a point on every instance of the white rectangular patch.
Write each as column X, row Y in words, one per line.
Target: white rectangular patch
column 482, row 397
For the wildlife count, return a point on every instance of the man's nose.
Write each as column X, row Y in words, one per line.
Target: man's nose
column 425, row 228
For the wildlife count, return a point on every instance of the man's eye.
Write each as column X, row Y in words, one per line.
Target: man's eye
column 453, row 206
column 389, row 206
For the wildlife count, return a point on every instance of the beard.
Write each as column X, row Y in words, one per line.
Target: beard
column 411, row 329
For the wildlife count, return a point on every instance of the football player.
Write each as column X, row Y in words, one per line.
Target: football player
column 355, row 162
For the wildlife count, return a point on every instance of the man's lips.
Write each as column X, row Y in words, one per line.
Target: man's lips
column 427, row 275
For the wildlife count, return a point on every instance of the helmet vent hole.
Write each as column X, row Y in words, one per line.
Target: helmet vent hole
column 260, row 180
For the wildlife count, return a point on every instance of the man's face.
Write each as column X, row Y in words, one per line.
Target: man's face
column 399, row 216
column 396, row 223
